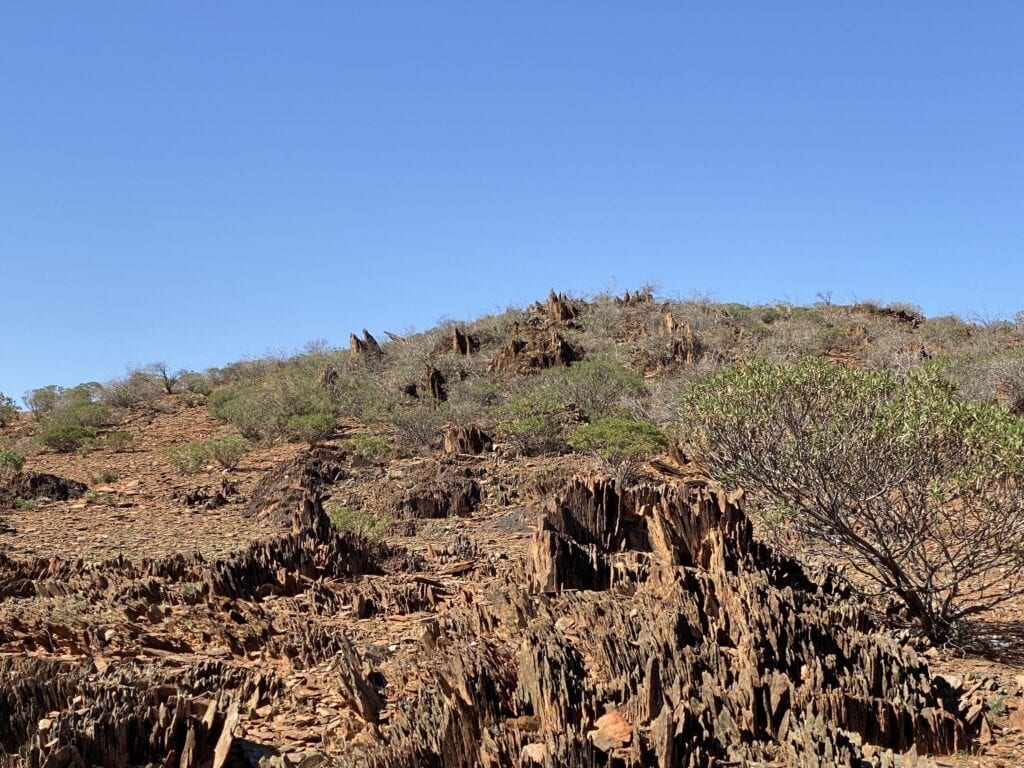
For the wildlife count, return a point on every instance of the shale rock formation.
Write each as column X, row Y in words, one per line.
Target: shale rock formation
column 637, row 627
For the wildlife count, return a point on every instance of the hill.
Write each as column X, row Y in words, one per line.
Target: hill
column 486, row 544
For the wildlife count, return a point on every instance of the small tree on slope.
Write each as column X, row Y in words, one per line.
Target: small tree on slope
column 917, row 489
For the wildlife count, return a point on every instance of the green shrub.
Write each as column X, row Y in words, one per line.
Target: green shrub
column 118, row 441
column 85, row 414
column 26, row 504
column 250, row 408
column 192, row 399
column 619, row 440
column 533, row 425
column 348, row 520
column 311, row 428
column 55, row 406
column 11, row 461
column 66, row 438
column 597, row 387
column 8, row 410
column 138, row 387
column 417, row 426
column 920, row 490
column 195, row 383
column 105, row 476
column 368, row 447
column 189, row 458
column 227, row 451
column 42, row 400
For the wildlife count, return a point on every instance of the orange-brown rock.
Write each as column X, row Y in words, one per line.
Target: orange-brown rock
column 536, row 352
column 364, row 346
column 456, row 438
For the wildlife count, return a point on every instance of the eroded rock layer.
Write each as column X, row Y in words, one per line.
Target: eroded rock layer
column 643, row 627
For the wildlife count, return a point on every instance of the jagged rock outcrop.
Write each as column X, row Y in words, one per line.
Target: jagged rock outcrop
column 635, row 299
column 328, row 377
column 366, row 346
column 459, row 342
column 40, row 485
column 535, row 351
column 435, row 384
column 636, row 627
column 470, row 439
column 674, row 346
column 277, row 494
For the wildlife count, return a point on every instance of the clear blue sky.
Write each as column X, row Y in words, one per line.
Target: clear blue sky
column 194, row 182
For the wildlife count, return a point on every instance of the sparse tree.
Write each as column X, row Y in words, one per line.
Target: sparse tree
column 167, row 379
column 8, row 409
column 915, row 488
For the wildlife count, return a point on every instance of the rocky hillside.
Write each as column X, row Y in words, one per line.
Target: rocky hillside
column 480, row 545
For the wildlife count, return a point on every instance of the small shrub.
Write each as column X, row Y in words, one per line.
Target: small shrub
column 619, row 440
column 118, row 441
column 227, row 451
column 417, row 426
column 66, row 438
column 192, row 399
column 312, row 428
column 105, row 476
column 533, row 425
column 195, row 383
column 189, row 458
column 138, row 387
column 597, row 387
column 348, row 520
column 26, row 504
column 11, row 461
column 8, row 410
column 368, row 447
column 997, row 705
column 85, row 414
column 250, row 408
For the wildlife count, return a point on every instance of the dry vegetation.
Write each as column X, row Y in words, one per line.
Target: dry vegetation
column 863, row 434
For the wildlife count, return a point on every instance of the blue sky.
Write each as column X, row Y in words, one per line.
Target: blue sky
column 195, row 182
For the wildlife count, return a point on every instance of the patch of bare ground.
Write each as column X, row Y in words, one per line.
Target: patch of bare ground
column 143, row 508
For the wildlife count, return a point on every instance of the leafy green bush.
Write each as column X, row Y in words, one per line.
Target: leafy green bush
column 597, row 387
column 196, row 383
column 914, row 487
column 348, row 520
column 76, row 406
column 118, row 441
column 192, row 399
column 189, row 458
column 85, row 414
column 227, row 451
column 619, row 440
column 312, row 428
column 533, row 425
column 8, row 410
column 66, row 438
column 138, row 387
column 250, row 408
column 11, row 461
